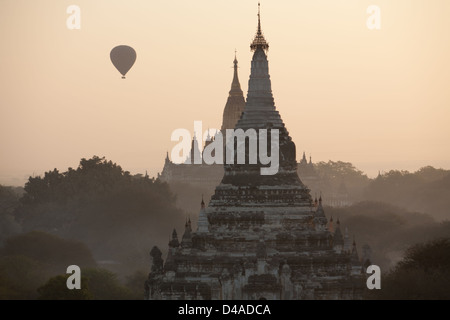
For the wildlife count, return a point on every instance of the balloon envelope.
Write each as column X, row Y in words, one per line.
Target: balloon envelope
column 123, row 58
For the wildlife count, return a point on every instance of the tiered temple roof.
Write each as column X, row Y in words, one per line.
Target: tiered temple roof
column 261, row 236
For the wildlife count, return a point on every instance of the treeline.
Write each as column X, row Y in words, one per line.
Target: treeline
column 388, row 230
column 116, row 215
column 426, row 190
column 9, row 201
column 33, row 265
column 338, row 178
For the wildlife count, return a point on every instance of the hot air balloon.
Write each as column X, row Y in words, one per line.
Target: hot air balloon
column 123, row 58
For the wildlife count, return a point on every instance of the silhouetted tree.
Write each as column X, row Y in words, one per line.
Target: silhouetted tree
column 96, row 284
column 27, row 260
column 421, row 274
column 104, row 285
column 9, row 201
column 56, row 289
column 336, row 175
column 20, row 276
column 119, row 216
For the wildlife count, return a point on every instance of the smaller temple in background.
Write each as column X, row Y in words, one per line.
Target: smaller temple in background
column 306, row 169
column 337, row 194
column 203, row 175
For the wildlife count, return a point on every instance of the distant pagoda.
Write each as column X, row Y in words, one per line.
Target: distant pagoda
column 235, row 102
column 203, row 175
column 261, row 236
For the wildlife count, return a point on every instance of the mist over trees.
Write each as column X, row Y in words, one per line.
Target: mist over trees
column 421, row 274
column 106, row 220
column 341, row 176
column 9, row 201
column 28, row 260
column 395, row 210
column 32, row 266
column 389, row 230
column 426, row 190
column 96, row 215
column 96, row 284
column 117, row 215
column 189, row 198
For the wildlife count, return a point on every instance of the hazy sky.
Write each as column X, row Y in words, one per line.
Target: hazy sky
column 377, row 98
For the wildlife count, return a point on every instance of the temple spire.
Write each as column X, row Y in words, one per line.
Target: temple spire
column 202, row 223
column 235, row 102
column 235, row 85
column 259, row 41
column 259, row 18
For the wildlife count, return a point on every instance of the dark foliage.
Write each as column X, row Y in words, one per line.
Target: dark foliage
column 96, row 284
column 421, row 275
column 119, row 216
column 9, row 201
column 27, row 260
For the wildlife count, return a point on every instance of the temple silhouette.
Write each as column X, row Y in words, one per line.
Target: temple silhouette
column 261, row 236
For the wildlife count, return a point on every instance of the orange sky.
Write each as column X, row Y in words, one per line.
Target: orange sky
column 377, row 98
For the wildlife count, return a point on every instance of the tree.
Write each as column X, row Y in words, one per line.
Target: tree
column 19, row 277
column 135, row 284
column 27, row 260
column 421, row 274
column 51, row 251
column 337, row 175
column 97, row 200
column 104, row 285
column 9, row 201
column 96, row 284
column 56, row 289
